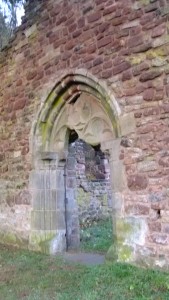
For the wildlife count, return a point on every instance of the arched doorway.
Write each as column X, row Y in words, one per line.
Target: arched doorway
column 77, row 103
column 88, row 197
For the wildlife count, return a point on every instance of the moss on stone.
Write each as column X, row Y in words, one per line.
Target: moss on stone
column 33, row 36
column 45, row 245
column 119, row 250
column 155, row 53
column 144, row 2
column 136, row 59
column 125, row 253
column 11, row 238
column 83, row 197
column 20, row 184
column 111, row 254
column 123, row 225
column 40, row 241
column 111, row 115
column 124, row 231
column 52, row 104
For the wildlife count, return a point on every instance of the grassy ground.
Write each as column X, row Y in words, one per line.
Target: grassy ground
column 97, row 237
column 32, row 276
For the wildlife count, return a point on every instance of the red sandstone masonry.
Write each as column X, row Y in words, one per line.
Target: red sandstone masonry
column 122, row 42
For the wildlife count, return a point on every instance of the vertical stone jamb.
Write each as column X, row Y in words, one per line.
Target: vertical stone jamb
column 46, row 218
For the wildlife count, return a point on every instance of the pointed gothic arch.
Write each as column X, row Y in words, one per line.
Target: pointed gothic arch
column 77, row 102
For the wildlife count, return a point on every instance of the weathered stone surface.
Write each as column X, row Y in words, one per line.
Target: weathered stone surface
column 149, row 75
column 147, row 166
column 137, row 182
column 149, row 94
column 138, row 209
column 119, row 53
column 159, row 238
column 155, row 226
column 24, row 197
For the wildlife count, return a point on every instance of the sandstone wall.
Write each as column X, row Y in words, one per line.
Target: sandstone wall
column 125, row 44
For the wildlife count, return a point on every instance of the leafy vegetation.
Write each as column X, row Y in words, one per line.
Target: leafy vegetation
column 12, row 6
column 4, row 30
column 33, row 276
column 8, row 20
column 97, row 237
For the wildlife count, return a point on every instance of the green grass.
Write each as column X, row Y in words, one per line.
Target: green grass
column 33, row 276
column 97, row 237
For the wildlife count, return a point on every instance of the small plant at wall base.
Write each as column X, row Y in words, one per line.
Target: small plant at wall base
column 96, row 236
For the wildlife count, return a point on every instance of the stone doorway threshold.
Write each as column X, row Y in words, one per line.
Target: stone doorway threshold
column 88, row 259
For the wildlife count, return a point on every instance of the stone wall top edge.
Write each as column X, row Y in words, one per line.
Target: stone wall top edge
column 31, row 17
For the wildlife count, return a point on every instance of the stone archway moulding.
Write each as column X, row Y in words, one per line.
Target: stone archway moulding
column 82, row 103
column 69, row 87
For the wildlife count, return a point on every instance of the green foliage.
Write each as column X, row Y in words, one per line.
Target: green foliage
column 12, row 6
column 33, row 276
column 8, row 24
column 97, row 237
column 4, row 30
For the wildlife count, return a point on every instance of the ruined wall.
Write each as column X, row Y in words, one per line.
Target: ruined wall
column 126, row 45
column 92, row 182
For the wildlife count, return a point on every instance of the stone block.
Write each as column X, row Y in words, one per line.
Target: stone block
column 70, row 163
column 117, row 203
column 51, row 200
column 94, row 17
column 71, row 199
column 36, row 199
column 37, row 220
column 60, row 199
column 60, row 178
column 137, row 209
column 43, row 240
column 61, row 219
column 149, row 94
column 31, row 30
column 159, row 238
column 127, row 123
column 48, row 156
column 58, row 243
column 74, row 242
column 71, row 182
column 43, row 179
column 149, row 75
column 36, row 180
column 53, row 179
column 131, row 24
column 113, row 147
column 131, row 230
column 121, row 67
column 137, row 182
column 104, row 41
column 23, row 198
column 44, row 220
column 117, row 176
column 147, row 166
